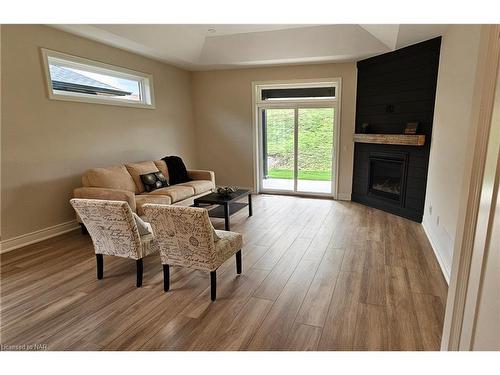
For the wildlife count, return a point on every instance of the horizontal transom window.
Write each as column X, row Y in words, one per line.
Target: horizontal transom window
column 298, row 93
column 77, row 79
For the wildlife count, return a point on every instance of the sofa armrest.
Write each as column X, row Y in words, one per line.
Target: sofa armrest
column 197, row 174
column 106, row 194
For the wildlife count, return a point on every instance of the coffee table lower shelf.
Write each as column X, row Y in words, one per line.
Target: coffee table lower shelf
column 218, row 211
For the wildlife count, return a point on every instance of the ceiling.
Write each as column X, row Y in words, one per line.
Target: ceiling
column 206, row 47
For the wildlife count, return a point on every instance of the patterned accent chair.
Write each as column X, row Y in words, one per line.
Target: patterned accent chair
column 187, row 238
column 113, row 230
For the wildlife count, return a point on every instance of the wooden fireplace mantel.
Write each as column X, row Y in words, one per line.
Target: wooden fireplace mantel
column 391, row 139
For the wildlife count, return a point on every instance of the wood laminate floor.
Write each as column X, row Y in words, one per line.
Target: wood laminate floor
column 317, row 275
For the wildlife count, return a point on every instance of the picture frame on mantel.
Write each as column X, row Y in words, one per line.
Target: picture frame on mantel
column 411, row 128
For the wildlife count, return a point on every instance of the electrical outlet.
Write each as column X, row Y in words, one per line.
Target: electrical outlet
column 430, row 210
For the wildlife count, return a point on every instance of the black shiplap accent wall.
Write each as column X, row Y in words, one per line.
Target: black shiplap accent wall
column 393, row 89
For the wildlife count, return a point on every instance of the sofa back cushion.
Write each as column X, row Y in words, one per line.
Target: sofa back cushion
column 136, row 169
column 116, row 177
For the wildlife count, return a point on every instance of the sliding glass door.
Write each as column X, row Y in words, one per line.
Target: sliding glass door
column 297, row 149
column 278, row 158
column 314, row 150
column 297, row 137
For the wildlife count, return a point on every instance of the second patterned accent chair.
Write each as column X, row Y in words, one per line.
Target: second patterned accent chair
column 187, row 238
column 113, row 230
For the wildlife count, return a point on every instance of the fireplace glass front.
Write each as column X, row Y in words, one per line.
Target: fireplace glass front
column 387, row 175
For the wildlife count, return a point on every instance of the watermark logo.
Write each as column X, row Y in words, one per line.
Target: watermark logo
column 24, row 347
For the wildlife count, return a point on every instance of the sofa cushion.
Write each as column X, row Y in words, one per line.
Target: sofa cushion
column 175, row 192
column 116, row 177
column 142, row 199
column 136, row 169
column 199, row 186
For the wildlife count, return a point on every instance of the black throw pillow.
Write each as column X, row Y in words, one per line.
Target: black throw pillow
column 177, row 171
column 153, row 181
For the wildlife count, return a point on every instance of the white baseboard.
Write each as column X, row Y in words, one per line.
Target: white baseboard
column 344, row 197
column 437, row 252
column 37, row 236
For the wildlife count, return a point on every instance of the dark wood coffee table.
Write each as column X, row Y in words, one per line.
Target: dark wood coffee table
column 227, row 205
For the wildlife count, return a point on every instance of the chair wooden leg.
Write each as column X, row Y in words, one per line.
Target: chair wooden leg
column 238, row 262
column 100, row 266
column 213, row 285
column 139, row 272
column 166, row 277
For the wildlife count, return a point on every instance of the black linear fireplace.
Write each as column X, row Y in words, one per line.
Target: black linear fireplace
column 394, row 89
column 387, row 178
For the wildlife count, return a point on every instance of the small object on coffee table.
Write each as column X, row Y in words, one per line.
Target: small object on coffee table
column 227, row 204
column 225, row 190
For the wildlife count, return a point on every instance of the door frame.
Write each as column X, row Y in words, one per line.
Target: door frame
column 259, row 105
column 475, row 224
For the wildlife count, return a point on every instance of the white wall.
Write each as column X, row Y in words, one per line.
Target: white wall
column 452, row 136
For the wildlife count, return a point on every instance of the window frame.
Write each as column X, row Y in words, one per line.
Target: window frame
column 145, row 81
column 259, row 105
column 296, row 84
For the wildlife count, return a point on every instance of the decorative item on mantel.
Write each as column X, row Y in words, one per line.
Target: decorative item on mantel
column 225, row 191
column 365, row 128
column 411, row 128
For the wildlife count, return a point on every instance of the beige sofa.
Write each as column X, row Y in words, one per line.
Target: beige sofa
column 123, row 183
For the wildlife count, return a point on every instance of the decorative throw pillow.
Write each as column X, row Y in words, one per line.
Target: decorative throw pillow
column 143, row 227
column 177, row 171
column 153, row 181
